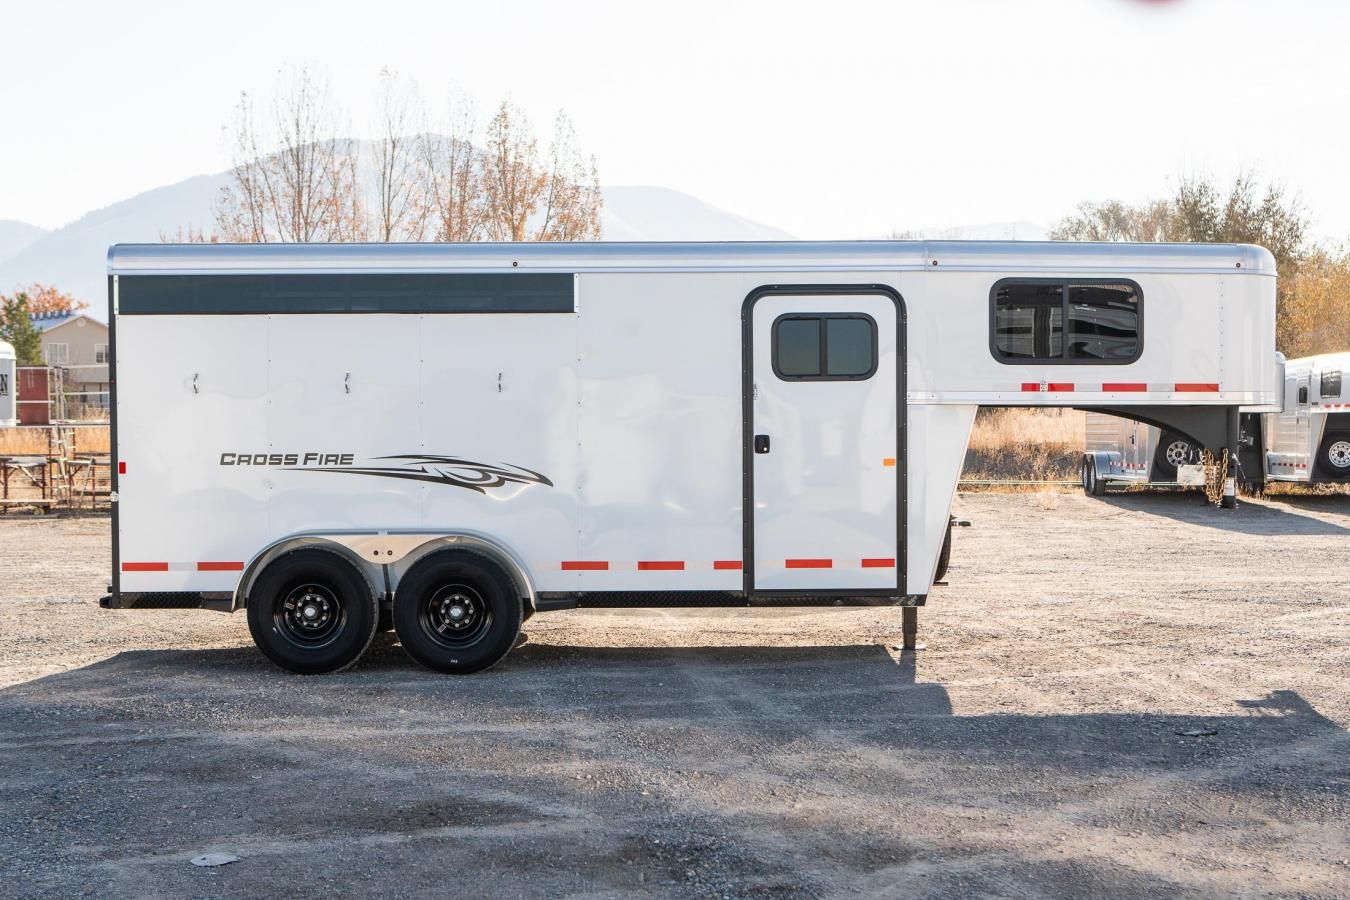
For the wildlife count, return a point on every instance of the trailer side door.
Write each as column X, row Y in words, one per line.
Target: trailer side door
column 823, row 432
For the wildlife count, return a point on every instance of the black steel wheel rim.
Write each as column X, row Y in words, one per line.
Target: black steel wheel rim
column 455, row 616
column 310, row 615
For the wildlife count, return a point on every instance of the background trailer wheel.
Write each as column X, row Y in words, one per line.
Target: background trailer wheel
column 1093, row 486
column 311, row 611
column 1173, row 452
column 457, row 611
column 1333, row 458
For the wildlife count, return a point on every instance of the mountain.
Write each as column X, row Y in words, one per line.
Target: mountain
column 661, row 214
column 992, row 231
column 16, row 237
column 74, row 257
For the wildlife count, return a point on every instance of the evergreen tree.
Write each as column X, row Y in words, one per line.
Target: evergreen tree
column 16, row 328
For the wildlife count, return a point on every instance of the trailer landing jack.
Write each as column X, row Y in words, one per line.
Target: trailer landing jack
column 909, row 630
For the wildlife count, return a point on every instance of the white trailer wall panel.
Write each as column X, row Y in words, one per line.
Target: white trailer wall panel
column 659, row 432
column 195, row 389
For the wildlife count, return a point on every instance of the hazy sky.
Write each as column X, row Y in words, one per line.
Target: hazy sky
column 827, row 119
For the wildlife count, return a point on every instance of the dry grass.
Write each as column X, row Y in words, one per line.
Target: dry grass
column 1279, row 488
column 1025, row 445
column 33, row 440
column 1003, row 430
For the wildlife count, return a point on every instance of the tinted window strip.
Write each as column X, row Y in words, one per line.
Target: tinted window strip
column 515, row 292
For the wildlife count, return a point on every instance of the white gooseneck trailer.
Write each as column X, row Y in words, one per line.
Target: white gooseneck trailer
column 464, row 435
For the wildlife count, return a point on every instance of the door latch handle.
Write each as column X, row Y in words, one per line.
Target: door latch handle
column 761, row 443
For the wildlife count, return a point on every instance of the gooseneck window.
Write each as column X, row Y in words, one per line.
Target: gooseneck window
column 1057, row 320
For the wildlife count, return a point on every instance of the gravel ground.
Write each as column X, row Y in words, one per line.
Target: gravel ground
column 1132, row 697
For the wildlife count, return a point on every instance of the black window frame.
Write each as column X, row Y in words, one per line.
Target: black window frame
column 824, row 341
column 1064, row 359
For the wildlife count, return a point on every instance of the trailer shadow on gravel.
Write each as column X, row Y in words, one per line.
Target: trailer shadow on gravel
column 1283, row 515
column 742, row 770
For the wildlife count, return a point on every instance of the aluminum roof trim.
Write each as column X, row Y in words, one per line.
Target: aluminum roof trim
column 784, row 256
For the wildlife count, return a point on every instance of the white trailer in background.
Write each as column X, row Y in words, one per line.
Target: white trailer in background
column 1120, row 451
column 1305, row 439
column 1308, row 440
column 9, row 387
column 460, row 436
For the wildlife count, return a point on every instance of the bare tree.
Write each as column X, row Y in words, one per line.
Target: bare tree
column 572, row 200
column 401, row 207
column 1245, row 213
column 453, row 185
column 294, row 182
column 294, row 179
column 1199, row 211
column 348, row 219
column 513, row 185
column 1115, row 221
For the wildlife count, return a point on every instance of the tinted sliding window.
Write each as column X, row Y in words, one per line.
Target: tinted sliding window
column 824, row 346
column 1054, row 320
column 1029, row 321
column 516, row 292
column 1331, row 385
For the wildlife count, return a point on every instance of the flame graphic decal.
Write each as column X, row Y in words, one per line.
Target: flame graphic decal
column 451, row 470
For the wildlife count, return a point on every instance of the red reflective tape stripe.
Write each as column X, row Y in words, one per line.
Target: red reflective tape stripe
column 121, row 468
column 584, row 565
column 1197, row 388
column 1120, row 386
column 878, row 563
column 809, row 563
column 727, row 564
column 1051, row 386
column 220, row 567
column 145, row 567
column 660, row 565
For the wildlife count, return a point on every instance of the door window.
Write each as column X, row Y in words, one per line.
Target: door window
column 824, row 347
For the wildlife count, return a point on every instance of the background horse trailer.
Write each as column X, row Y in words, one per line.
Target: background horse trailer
column 1120, row 451
column 1305, row 440
column 1308, row 440
column 9, row 387
column 460, row 436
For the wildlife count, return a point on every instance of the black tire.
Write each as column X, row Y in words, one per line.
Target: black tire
column 457, row 611
column 945, row 556
column 1333, row 457
column 1093, row 486
column 1173, row 450
column 311, row 611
